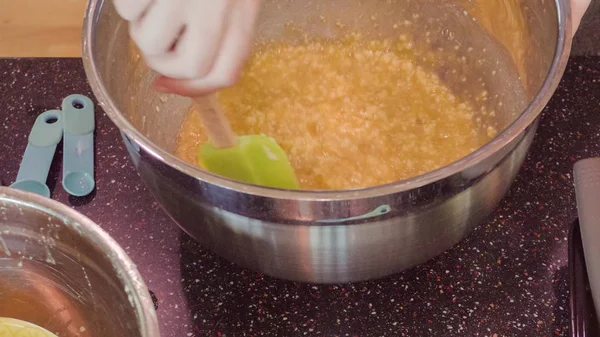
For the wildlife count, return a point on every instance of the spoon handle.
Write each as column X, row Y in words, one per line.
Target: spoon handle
column 216, row 123
column 35, row 165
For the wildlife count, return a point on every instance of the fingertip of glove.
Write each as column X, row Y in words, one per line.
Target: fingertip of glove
column 130, row 10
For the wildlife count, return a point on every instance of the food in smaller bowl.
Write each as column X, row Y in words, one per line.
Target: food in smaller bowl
column 10, row 327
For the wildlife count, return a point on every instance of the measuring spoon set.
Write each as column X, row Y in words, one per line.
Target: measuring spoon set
column 74, row 125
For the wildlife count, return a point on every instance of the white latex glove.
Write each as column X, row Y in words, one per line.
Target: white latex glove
column 199, row 46
column 578, row 8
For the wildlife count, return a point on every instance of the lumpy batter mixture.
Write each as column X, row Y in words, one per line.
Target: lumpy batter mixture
column 350, row 113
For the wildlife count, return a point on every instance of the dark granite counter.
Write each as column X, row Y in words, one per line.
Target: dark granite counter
column 508, row 278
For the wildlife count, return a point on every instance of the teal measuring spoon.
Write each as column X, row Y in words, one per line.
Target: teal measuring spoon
column 78, row 145
column 45, row 135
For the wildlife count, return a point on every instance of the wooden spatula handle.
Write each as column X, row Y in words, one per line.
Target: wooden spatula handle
column 216, row 123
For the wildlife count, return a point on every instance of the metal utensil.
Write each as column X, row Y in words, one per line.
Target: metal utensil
column 587, row 190
column 319, row 236
column 60, row 271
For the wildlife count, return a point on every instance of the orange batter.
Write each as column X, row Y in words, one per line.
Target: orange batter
column 349, row 113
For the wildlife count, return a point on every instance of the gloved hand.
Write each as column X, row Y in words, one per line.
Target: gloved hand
column 578, row 8
column 199, row 46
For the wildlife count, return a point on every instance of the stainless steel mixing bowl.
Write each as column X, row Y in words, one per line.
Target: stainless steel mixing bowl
column 513, row 51
column 60, row 271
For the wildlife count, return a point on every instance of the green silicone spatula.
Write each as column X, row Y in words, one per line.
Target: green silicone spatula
column 254, row 159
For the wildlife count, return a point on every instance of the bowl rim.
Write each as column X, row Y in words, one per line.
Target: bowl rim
column 124, row 268
column 514, row 130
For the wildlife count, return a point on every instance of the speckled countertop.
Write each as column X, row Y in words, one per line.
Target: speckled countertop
column 508, row 278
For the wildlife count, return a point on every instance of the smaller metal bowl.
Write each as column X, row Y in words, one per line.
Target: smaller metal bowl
column 60, row 271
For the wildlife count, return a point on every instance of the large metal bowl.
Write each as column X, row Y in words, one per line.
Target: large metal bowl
column 516, row 51
column 60, row 271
